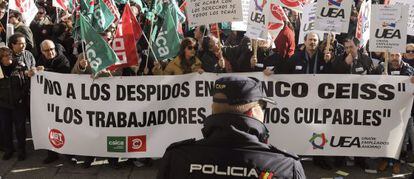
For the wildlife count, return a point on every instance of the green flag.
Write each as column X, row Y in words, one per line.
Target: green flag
column 102, row 17
column 98, row 52
column 166, row 41
column 86, row 8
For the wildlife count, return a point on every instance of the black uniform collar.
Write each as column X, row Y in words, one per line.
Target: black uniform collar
column 240, row 122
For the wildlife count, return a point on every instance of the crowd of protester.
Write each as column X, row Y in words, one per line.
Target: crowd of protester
column 47, row 44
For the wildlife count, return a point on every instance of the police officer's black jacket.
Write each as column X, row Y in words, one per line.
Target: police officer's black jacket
column 232, row 148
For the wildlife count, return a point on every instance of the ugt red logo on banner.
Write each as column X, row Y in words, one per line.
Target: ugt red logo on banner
column 137, row 143
column 291, row 3
column 277, row 13
column 56, row 138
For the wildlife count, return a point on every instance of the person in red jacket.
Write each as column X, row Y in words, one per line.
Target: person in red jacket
column 285, row 41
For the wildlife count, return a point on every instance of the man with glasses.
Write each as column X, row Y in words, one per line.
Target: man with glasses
column 52, row 60
column 409, row 55
column 235, row 139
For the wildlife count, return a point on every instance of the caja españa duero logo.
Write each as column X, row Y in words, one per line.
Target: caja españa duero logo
column 314, row 143
column 56, row 138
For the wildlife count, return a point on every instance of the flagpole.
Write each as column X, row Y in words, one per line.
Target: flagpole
column 57, row 15
column 7, row 22
column 150, row 42
column 218, row 35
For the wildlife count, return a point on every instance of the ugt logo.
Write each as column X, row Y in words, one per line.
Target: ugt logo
column 313, row 141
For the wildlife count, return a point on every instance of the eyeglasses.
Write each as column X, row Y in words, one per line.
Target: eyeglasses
column 410, row 51
column 191, row 47
column 40, row 12
column 48, row 50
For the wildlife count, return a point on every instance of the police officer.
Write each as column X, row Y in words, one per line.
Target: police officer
column 235, row 140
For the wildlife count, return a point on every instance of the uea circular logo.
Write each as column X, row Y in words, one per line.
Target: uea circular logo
column 136, row 143
column 314, row 143
column 56, row 138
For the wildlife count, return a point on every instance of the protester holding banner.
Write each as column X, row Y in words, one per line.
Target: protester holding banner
column 52, row 59
column 185, row 62
column 397, row 66
column 309, row 60
column 13, row 108
column 17, row 43
column 234, row 137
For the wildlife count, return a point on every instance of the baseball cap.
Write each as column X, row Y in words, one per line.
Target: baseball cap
column 240, row 90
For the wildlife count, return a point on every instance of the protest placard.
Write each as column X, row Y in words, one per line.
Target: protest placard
column 205, row 12
column 388, row 28
column 256, row 24
column 333, row 15
column 308, row 22
column 410, row 24
column 363, row 24
column 242, row 25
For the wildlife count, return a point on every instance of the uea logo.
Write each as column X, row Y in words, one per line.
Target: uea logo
column 389, row 24
column 389, row 31
column 260, row 7
column 258, row 17
column 333, row 12
column 335, row 141
column 56, row 138
column 323, row 140
column 335, row 3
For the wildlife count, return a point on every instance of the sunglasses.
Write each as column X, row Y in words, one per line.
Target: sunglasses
column 191, row 47
column 410, row 51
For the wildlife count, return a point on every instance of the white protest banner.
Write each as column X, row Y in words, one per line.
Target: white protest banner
column 295, row 5
column 388, row 28
column 26, row 7
column 205, row 12
column 308, row 22
column 410, row 24
column 363, row 24
column 140, row 116
column 333, row 15
column 242, row 25
column 256, row 24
